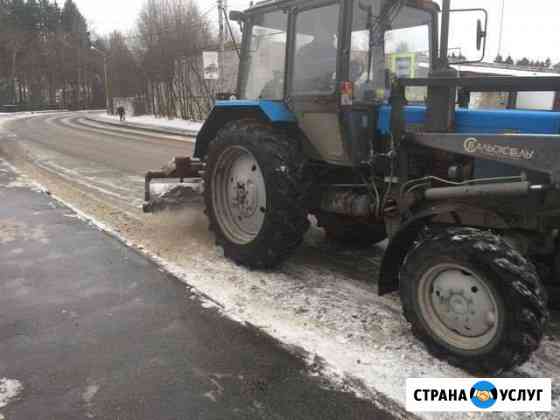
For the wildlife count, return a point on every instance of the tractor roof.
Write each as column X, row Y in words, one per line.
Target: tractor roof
column 426, row 4
column 265, row 2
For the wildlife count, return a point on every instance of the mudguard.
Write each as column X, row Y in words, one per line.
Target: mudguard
column 274, row 112
column 404, row 240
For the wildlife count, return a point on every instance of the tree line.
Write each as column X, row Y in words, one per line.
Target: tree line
column 168, row 43
column 158, row 65
column 526, row 62
column 49, row 56
column 46, row 55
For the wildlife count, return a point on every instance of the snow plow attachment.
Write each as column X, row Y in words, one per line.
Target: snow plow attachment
column 187, row 171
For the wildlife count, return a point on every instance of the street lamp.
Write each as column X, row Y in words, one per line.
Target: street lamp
column 108, row 101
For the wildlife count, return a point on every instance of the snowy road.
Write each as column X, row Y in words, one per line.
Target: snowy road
column 323, row 300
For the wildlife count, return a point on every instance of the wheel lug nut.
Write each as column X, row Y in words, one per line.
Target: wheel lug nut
column 490, row 319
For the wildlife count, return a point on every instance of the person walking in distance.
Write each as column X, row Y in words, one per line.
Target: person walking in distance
column 121, row 113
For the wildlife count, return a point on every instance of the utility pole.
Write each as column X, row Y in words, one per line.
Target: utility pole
column 79, row 93
column 501, row 28
column 108, row 96
column 221, row 48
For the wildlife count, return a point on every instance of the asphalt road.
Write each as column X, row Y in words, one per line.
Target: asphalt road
column 105, row 159
column 131, row 151
column 92, row 329
column 110, row 163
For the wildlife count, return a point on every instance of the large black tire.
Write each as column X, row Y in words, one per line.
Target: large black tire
column 348, row 231
column 283, row 167
column 509, row 276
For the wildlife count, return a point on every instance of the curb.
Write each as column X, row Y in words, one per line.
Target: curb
column 143, row 127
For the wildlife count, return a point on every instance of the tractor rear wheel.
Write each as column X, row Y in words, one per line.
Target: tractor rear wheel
column 255, row 193
column 473, row 300
column 348, row 231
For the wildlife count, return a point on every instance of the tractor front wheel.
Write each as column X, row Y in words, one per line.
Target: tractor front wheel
column 255, row 192
column 473, row 300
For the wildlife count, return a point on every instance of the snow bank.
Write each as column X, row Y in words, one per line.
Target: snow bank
column 9, row 390
column 151, row 121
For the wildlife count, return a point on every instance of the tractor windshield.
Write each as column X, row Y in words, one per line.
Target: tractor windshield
column 388, row 37
column 266, row 57
column 315, row 55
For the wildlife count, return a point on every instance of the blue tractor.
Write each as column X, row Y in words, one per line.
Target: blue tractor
column 350, row 111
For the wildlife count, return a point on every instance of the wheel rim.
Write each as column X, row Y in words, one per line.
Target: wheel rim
column 239, row 195
column 459, row 307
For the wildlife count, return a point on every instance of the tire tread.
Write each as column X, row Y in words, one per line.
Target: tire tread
column 524, row 296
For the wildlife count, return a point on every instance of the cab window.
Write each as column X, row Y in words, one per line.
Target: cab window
column 267, row 57
column 388, row 39
column 315, row 57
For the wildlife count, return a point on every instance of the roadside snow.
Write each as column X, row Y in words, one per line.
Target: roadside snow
column 151, row 121
column 9, row 390
column 10, row 116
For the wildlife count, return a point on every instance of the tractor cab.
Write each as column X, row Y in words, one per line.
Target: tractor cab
column 331, row 64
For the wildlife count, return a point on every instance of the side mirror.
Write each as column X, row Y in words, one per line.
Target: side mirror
column 479, row 32
column 237, row 16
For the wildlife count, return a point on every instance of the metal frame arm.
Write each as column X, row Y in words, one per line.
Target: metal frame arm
column 490, row 84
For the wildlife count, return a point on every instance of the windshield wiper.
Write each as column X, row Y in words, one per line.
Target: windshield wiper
column 378, row 24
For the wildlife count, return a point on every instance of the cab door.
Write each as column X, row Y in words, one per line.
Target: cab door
column 314, row 67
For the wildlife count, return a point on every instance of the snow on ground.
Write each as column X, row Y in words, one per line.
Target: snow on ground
column 9, row 116
column 349, row 334
column 151, row 121
column 9, row 391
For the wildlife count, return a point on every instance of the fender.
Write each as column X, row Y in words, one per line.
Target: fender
column 274, row 112
column 403, row 241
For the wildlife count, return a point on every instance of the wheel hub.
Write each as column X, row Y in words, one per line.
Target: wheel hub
column 239, row 194
column 244, row 197
column 459, row 306
column 462, row 304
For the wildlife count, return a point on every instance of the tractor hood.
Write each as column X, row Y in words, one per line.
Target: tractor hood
column 486, row 121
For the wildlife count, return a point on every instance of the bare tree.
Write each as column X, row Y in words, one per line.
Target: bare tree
column 171, row 37
column 44, row 54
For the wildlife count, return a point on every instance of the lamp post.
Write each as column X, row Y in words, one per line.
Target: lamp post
column 108, row 99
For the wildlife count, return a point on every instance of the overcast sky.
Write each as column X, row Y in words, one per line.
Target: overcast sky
column 530, row 27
